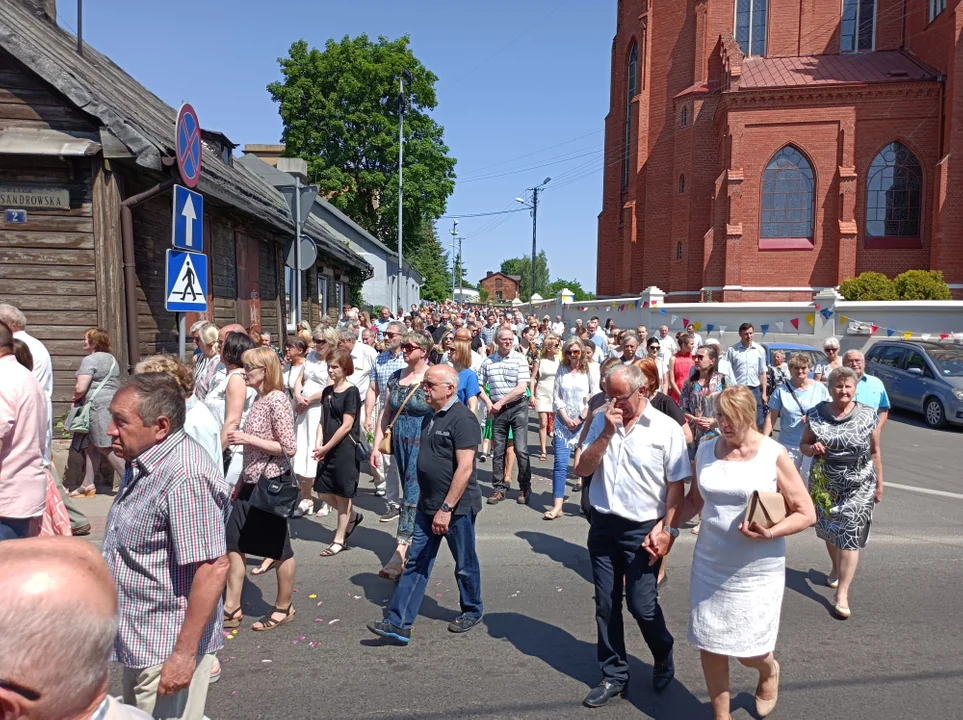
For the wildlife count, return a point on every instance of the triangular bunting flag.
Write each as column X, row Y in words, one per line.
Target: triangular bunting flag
column 615, row 304
column 685, row 322
column 622, row 307
column 843, row 319
column 645, row 304
column 817, row 307
column 907, row 335
column 811, row 319
column 926, row 336
column 697, row 325
column 780, row 325
column 826, row 313
column 943, row 336
column 636, row 303
column 710, row 328
column 873, row 329
column 674, row 318
column 722, row 328
column 795, row 323
column 663, row 312
column 890, row 332
column 764, row 328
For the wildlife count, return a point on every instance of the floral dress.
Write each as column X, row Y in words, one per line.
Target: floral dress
column 699, row 399
column 405, row 443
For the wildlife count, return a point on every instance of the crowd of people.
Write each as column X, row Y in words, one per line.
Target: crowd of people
column 217, row 454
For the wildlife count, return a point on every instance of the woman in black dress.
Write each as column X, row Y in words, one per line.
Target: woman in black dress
column 338, row 433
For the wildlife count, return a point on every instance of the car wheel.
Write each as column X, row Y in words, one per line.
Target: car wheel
column 933, row 413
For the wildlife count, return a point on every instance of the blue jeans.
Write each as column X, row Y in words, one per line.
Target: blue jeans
column 760, row 407
column 560, row 471
column 615, row 551
column 421, row 558
column 19, row 528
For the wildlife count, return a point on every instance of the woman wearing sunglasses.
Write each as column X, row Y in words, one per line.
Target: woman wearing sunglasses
column 653, row 349
column 576, row 381
column 834, row 360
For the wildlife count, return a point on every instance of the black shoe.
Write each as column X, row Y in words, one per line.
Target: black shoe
column 599, row 696
column 483, row 458
column 496, row 497
column 662, row 673
column 463, row 623
column 524, row 496
column 392, row 514
column 81, row 531
column 392, row 635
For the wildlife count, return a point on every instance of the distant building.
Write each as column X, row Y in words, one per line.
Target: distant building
column 501, row 287
column 465, row 294
column 763, row 149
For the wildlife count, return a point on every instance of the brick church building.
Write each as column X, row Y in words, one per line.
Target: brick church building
column 761, row 150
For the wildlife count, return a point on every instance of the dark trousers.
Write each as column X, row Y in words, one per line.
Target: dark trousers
column 514, row 416
column 615, row 550
column 19, row 528
column 760, row 406
column 421, row 559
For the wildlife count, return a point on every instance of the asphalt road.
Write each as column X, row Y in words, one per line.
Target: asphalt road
column 534, row 654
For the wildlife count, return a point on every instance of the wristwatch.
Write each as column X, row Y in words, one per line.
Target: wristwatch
column 673, row 532
column 445, row 507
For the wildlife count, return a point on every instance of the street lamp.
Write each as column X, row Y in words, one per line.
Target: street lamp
column 404, row 80
column 534, row 209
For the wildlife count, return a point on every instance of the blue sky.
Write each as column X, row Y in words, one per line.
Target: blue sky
column 521, row 84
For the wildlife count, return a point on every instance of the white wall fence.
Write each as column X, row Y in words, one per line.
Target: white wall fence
column 856, row 324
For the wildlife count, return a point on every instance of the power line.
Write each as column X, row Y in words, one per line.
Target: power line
column 482, row 214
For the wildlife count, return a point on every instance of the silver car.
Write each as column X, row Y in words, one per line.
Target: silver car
column 922, row 376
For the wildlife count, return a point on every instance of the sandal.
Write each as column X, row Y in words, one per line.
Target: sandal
column 261, row 569
column 330, row 552
column 543, row 457
column 551, row 514
column 578, row 487
column 233, row 619
column 81, row 491
column 269, row 623
column 355, row 521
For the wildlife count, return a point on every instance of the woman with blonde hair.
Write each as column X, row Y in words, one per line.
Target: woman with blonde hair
column 542, row 388
column 207, row 361
column 739, row 568
column 468, row 390
column 268, row 440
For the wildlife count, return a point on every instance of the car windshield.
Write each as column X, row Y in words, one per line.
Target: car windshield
column 816, row 357
column 948, row 361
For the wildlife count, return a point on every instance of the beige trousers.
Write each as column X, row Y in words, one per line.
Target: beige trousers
column 140, row 690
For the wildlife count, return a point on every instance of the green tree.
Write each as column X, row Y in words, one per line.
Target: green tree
column 868, row 286
column 921, row 285
column 483, row 294
column 574, row 285
column 430, row 259
column 339, row 107
column 523, row 266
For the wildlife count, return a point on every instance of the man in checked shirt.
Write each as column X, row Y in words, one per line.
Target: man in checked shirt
column 165, row 548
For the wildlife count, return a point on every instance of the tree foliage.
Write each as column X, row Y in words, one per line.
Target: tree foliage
column 339, row 107
column 431, row 260
column 868, row 286
column 574, row 285
column 523, row 266
column 921, row 285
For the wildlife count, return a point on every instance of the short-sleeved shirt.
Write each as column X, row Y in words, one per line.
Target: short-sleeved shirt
column 487, row 334
column 167, row 518
column 667, row 406
column 871, row 391
column 792, row 409
column 467, row 385
column 748, row 363
column 502, row 373
column 452, row 428
column 271, row 418
column 381, row 326
column 632, row 481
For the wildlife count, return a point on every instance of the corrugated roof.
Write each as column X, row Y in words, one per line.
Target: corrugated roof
column 852, row 68
column 137, row 117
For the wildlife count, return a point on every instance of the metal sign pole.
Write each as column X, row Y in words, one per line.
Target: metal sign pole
column 182, row 336
column 296, row 290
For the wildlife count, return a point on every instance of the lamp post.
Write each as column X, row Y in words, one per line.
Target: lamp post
column 402, row 108
column 534, row 209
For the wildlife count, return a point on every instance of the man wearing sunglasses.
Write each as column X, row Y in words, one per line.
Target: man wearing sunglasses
column 387, row 480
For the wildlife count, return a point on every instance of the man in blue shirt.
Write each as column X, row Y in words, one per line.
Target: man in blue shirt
column 870, row 389
column 383, row 322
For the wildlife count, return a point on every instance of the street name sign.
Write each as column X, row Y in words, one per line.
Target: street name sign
column 185, row 284
column 188, row 222
column 188, row 146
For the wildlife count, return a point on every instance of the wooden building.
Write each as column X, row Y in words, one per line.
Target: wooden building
column 79, row 139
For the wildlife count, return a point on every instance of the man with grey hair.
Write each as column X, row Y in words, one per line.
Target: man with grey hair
column 61, row 674
column 364, row 358
column 386, row 478
column 869, row 388
column 638, row 461
column 165, row 548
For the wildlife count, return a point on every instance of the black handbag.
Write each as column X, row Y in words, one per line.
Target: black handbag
column 362, row 448
column 277, row 495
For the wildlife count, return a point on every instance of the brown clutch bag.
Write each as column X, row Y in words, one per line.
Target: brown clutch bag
column 766, row 508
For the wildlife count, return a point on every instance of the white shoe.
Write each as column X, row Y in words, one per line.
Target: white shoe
column 306, row 507
column 325, row 509
column 381, row 490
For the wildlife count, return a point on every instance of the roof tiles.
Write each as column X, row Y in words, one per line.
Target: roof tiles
column 862, row 68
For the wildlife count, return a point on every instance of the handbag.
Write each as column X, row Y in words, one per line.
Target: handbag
column 362, row 450
column 277, row 495
column 385, row 446
column 78, row 419
column 766, row 508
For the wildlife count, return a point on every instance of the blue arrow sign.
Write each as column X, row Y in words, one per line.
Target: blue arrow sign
column 188, row 222
column 185, row 282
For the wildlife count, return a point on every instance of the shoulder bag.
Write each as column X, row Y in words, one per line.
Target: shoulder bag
column 766, row 508
column 385, row 447
column 277, row 495
column 362, row 450
column 78, row 419
column 792, row 391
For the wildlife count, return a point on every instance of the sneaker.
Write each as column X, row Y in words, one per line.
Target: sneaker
column 463, row 623
column 393, row 635
column 496, row 497
column 380, row 491
column 393, row 513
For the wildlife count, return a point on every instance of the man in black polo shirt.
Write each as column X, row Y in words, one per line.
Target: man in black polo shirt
column 449, row 501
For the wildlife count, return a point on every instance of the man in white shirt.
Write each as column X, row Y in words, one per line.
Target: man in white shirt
column 696, row 337
column 364, row 358
column 669, row 344
column 558, row 327
column 638, row 461
column 748, row 362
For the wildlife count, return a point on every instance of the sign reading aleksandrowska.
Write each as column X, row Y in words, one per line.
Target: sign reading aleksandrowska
column 34, row 197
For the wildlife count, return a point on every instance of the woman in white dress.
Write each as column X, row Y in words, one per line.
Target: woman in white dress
column 230, row 399
column 576, row 381
column 295, row 351
column 542, row 386
column 739, row 569
column 308, row 388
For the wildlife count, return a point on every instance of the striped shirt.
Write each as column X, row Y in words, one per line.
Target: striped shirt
column 502, row 373
column 488, row 334
column 167, row 518
column 385, row 366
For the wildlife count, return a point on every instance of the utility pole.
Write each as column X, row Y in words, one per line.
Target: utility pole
column 454, row 234
column 461, row 268
column 534, row 208
column 402, row 107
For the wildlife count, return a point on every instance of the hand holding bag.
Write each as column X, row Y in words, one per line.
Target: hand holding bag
column 78, row 419
column 385, row 447
column 766, row 508
column 278, row 495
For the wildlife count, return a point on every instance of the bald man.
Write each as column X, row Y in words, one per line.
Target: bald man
column 227, row 329
column 48, row 668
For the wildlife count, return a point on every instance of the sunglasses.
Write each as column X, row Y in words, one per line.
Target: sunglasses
column 829, row 350
column 699, row 357
column 408, row 347
column 575, row 353
column 389, row 335
column 654, row 348
column 249, row 368
column 319, row 341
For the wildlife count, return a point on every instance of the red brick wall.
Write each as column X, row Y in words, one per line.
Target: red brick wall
column 508, row 287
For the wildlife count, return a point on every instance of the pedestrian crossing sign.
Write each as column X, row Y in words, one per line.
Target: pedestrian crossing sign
column 186, row 282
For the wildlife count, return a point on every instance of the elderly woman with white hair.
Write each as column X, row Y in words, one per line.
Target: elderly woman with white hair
column 834, row 359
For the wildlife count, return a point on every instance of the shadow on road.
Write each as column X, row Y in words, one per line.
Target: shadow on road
column 567, row 554
column 370, row 534
column 803, row 582
column 378, row 591
column 573, row 657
